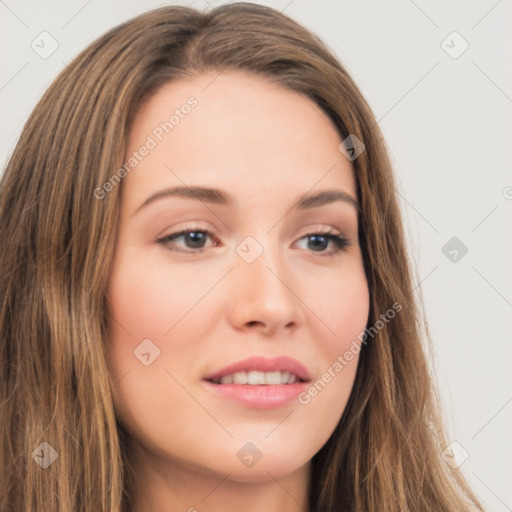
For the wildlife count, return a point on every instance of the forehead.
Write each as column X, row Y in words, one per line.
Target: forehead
column 235, row 131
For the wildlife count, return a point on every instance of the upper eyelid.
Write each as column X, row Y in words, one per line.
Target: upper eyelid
column 212, row 233
column 334, row 232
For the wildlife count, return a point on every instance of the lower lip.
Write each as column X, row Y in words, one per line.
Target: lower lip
column 259, row 397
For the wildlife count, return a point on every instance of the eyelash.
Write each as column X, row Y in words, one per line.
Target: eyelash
column 341, row 242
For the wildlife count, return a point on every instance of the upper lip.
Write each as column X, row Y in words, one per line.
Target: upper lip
column 263, row 364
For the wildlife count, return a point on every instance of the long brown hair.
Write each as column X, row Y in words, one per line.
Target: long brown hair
column 57, row 240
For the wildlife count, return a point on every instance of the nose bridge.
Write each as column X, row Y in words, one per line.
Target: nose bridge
column 262, row 290
column 261, row 261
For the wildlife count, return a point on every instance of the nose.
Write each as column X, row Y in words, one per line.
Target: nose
column 264, row 297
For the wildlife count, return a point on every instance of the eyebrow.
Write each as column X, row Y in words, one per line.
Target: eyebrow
column 214, row 196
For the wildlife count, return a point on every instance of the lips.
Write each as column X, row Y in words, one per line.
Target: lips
column 259, row 383
column 254, row 367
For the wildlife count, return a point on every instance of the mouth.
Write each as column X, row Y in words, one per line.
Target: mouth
column 259, row 382
column 258, row 378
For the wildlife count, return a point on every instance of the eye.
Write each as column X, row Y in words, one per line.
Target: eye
column 320, row 240
column 195, row 240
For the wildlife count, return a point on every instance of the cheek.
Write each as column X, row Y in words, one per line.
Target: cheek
column 344, row 311
column 149, row 299
column 325, row 399
column 342, row 304
column 145, row 303
column 339, row 310
column 156, row 316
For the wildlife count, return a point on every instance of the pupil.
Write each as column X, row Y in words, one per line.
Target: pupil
column 196, row 238
column 323, row 241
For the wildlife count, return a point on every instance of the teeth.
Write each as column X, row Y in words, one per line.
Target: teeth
column 227, row 379
column 273, row 378
column 240, row 378
column 254, row 378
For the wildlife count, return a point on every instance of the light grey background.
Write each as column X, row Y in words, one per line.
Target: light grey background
column 449, row 131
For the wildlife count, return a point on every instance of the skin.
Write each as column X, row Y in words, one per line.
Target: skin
column 264, row 145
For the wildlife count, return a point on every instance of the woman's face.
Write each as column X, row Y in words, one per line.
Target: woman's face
column 257, row 277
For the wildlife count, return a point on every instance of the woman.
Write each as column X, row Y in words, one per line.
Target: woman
column 278, row 366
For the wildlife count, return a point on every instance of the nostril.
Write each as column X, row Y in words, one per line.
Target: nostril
column 254, row 322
